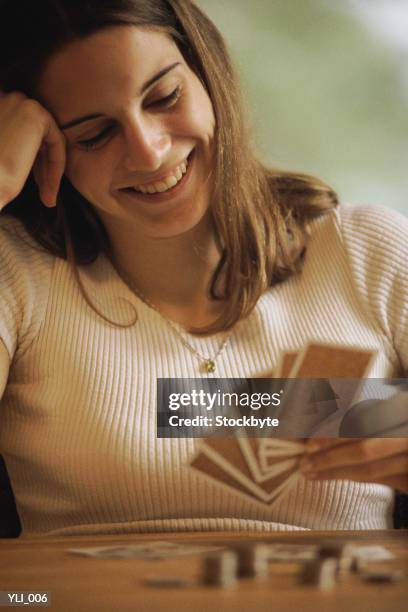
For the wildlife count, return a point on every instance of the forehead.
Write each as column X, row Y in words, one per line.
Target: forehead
column 116, row 60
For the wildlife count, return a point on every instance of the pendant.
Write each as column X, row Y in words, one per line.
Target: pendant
column 209, row 366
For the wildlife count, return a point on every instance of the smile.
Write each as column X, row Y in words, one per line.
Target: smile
column 173, row 182
column 167, row 183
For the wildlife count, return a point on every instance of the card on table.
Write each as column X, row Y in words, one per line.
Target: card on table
column 155, row 550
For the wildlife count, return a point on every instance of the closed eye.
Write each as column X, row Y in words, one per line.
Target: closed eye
column 91, row 142
column 165, row 102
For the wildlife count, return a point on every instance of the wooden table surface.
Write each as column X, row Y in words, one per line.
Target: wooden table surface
column 82, row 584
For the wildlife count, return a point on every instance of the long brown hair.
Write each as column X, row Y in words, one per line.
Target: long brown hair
column 261, row 216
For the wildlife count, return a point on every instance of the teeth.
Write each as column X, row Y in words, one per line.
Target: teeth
column 160, row 187
column 165, row 184
column 171, row 181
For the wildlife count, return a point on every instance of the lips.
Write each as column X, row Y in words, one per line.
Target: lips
column 168, row 189
column 166, row 183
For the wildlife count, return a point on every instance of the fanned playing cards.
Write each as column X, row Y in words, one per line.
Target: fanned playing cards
column 266, row 468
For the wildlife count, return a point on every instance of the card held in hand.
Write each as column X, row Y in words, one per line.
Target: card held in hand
column 264, row 469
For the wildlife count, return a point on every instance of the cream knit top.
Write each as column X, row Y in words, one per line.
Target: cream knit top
column 78, row 417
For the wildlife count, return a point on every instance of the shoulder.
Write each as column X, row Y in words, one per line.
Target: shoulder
column 25, row 278
column 13, row 235
column 366, row 231
column 24, row 263
column 376, row 240
column 368, row 247
column 17, row 244
column 12, row 229
column 373, row 224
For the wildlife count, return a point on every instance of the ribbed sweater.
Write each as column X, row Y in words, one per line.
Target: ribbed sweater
column 78, row 417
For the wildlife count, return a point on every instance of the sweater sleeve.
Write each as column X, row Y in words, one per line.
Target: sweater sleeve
column 25, row 274
column 376, row 240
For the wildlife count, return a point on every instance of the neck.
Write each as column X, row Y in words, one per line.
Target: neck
column 173, row 274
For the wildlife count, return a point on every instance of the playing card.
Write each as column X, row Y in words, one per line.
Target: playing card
column 150, row 550
column 214, row 473
column 253, row 448
column 321, row 371
column 265, row 468
column 279, row 451
column 331, row 361
column 231, row 461
column 286, row 364
column 369, row 418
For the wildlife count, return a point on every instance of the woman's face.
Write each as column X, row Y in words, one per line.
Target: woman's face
column 139, row 127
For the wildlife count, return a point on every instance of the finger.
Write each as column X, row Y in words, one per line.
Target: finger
column 38, row 171
column 22, row 133
column 54, row 162
column 400, row 483
column 373, row 471
column 354, row 453
column 40, row 175
column 316, row 445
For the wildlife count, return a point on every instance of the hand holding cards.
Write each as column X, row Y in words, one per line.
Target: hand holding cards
column 265, row 468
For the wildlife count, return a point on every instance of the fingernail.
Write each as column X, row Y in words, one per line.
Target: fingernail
column 52, row 201
column 312, row 446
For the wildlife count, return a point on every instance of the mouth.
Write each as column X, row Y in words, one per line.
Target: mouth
column 162, row 190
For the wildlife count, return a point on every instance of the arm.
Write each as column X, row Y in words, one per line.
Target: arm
column 9, row 520
column 29, row 140
column 376, row 241
column 379, row 460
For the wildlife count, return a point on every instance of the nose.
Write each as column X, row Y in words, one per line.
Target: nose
column 147, row 144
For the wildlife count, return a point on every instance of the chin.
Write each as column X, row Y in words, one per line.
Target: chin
column 171, row 228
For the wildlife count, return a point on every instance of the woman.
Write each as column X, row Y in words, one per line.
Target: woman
column 166, row 250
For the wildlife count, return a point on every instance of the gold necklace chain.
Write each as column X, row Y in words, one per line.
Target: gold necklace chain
column 207, row 363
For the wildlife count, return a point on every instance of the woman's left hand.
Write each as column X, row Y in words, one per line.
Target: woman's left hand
column 379, row 460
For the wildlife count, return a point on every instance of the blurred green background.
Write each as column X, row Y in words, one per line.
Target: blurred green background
column 326, row 83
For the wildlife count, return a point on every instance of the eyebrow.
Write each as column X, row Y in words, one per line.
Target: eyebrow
column 149, row 83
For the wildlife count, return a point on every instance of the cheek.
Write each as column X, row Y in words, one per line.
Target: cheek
column 206, row 117
column 201, row 111
column 210, row 122
column 88, row 173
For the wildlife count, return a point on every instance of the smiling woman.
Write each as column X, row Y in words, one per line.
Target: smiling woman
column 92, row 65
column 135, row 117
column 142, row 238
